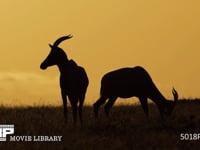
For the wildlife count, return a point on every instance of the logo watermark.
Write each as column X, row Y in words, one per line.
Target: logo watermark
column 6, row 130
column 9, row 130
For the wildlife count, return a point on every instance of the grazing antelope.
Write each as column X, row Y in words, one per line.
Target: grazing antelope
column 129, row 82
column 73, row 78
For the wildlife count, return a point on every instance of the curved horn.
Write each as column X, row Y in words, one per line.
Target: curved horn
column 59, row 40
column 175, row 95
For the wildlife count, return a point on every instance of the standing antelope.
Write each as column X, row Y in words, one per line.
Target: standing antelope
column 129, row 82
column 73, row 78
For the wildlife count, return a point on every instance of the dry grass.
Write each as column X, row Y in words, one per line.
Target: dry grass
column 126, row 128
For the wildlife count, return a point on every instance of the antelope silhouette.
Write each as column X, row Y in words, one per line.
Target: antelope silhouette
column 129, row 82
column 73, row 78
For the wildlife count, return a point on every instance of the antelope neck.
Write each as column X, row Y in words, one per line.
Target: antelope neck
column 63, row 66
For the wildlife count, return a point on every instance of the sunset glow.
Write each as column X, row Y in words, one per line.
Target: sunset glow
column 161, row 36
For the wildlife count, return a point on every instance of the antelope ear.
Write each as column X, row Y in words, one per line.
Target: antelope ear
column 51, row 46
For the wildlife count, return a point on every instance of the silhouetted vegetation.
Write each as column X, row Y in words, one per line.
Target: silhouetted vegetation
column 126, row 128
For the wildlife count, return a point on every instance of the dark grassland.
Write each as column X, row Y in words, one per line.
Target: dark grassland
column 127, row 128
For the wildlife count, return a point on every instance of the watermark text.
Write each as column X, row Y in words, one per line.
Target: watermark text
column 190, row 136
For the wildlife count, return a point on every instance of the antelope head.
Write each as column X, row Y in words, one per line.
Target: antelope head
column 169, row 105
column 56, row 54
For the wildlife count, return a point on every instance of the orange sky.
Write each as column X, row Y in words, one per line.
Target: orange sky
column 163, row 37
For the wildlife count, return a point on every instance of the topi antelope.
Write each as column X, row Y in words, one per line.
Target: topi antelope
column 73, row 78
column 129, row 82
